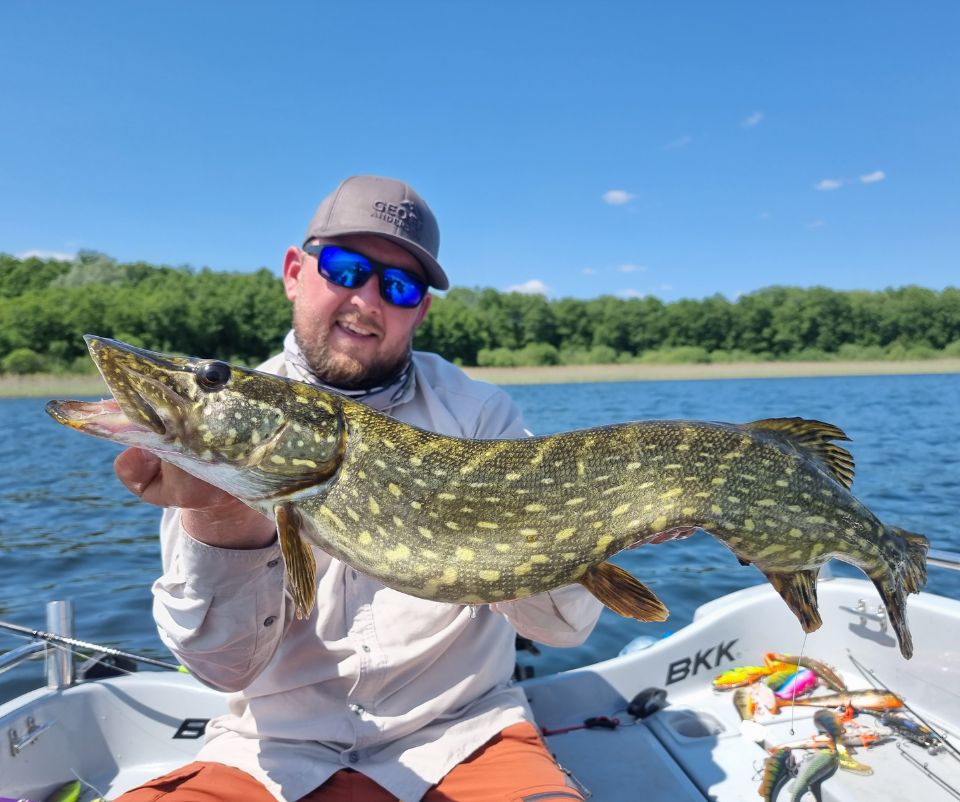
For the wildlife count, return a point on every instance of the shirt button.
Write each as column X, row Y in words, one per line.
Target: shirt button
column 353, row 757
column 273, row 563
column 269, row 620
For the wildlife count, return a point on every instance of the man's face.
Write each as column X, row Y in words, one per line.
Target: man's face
column 351, row 338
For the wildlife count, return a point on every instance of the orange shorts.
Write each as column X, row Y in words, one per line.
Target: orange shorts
column 514, row 766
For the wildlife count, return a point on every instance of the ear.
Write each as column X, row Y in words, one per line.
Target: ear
column 422, row 311
column 292, row 265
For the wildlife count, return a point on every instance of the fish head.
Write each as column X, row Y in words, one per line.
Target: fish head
column 253, row 434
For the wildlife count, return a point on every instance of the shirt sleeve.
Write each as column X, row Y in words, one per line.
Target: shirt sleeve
column 561, row 617
column 222, row 612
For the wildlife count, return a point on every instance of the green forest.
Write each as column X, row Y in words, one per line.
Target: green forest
column 46, row 306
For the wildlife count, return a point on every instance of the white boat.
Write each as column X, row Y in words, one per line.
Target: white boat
column 688, row 743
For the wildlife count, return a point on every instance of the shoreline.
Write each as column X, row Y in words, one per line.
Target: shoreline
column 68, row 386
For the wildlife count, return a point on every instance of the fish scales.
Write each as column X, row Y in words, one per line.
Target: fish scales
column 478, row 521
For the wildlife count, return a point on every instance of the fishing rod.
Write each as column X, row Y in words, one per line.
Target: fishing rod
column 922, row 765
column 867, row 672
column 61, row 640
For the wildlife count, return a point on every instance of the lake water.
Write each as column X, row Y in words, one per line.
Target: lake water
column 69, row 530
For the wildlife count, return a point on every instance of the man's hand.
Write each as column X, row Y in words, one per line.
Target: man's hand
column 210, row 515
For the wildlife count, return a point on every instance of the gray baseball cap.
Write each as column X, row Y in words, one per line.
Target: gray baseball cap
column 385, row 207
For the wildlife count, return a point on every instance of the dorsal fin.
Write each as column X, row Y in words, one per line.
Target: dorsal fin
column 813, row 438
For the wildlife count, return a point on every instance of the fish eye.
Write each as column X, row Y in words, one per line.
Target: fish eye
column 213, row 375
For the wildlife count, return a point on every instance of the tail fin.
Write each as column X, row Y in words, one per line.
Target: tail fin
column 908, row 576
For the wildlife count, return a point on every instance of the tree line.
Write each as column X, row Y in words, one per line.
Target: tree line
column 46, row 305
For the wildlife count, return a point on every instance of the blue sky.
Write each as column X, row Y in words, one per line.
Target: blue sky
column 675, row 149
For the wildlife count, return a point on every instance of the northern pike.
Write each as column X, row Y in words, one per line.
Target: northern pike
column 480, row 521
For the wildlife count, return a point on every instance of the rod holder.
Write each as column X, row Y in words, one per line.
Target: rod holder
column 59, row 661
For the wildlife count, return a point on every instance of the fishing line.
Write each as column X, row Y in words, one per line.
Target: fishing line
column 796, row 685
column 868, row 674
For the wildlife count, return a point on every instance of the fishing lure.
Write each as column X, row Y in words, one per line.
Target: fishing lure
column 777, row 771
column 826, row 672
column 819, row 767
column 802, row 681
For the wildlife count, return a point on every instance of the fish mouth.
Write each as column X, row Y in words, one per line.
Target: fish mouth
column 144, row 405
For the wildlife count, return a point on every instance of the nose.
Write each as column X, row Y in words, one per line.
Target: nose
column 369, row 293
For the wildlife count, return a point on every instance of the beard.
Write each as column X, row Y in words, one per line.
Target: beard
column 343, row 370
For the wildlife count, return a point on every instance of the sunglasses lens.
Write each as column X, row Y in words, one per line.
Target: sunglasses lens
column 351, row 270
column 400, row 288
column 343, row 268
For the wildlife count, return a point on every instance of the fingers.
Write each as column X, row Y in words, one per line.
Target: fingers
column 165, row 485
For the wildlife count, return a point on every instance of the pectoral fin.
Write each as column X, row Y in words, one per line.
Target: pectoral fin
column 799, row 591
column 298, row 558
column 623, row 594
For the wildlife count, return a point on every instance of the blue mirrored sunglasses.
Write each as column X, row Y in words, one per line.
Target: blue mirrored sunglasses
column 351, row 270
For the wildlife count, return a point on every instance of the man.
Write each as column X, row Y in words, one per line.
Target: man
column 377, row 695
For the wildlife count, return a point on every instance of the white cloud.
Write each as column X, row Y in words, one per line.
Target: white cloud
column 532, row 287
column 40, row 253
column 828, row 184
column 589, row 271
column 631, row 268
column 872, row 178
column 617, row 197
column 753, row 119
column 631, row 293
column 682, row 142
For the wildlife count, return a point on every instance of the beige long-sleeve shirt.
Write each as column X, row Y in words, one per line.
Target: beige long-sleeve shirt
column 399, row 688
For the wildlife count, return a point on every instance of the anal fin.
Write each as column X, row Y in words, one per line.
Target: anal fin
column 624, row 594
column 298, row 558
column 799, row 591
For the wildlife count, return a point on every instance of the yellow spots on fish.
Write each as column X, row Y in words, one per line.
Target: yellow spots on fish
column 492, row 499
column 689, row 511
column 401, row 552
column 718, row 480
column 573, row 502
column 352, row 513
column 332, row 516
column 794, row 508
column 324, row 406
column 512, row 477
column 365, row 538
column 535, row 508
column 363, row 446
column 773, row 548
column 703, row 494
column 748, row 477
column 618, row 511
column 716, row 509
column 427, row 533
column 766, row 502
column 489, row 575
column 452, row 525
column 819, row 519
column 796, row 532
column 380, row 463
column 539, row 559
column 782, row 483
column 615, row 489
column 632, row 466
column 373, row 506
column 416, row 461
column 850, row 531
column 523, row 569
column 602, row 542
column 529, row 534
column 565, row 534
column 393, row 489
column 276, row 459
column 388, row 443
column 673, row 466
column 581, row 468
column 446, row 496
column 569, row 555
column 304, row 463
column 416, row 505
column 672, row 492
column 449, row 576
column 547, row 480
column 397, row 522
column 748, row 524
column 465, row 554
column 733, row 499
column 645, row 486
column 487, row 525
column 732, row 455
column 503, row 548
column 683, row 447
